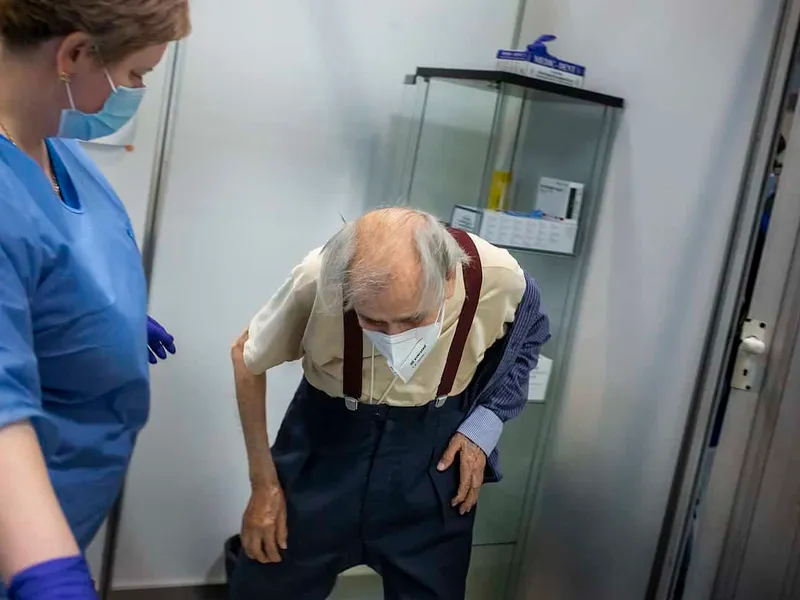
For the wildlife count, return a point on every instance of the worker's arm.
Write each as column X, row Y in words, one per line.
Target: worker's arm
column 38, row 553
column 33, row 529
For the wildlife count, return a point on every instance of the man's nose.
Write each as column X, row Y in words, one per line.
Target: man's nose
column 395, row 328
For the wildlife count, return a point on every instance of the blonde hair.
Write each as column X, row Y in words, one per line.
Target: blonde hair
column 118, row 27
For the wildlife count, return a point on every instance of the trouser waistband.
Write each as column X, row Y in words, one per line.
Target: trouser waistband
column 313, row 399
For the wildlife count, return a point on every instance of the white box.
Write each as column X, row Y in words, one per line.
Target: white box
column 553, row 75
column 528, row 233
column 523, row 232
column 560, row 198
column 521, row 62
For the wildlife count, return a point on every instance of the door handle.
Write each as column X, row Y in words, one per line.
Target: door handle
column 749, row 368
column 754, row 345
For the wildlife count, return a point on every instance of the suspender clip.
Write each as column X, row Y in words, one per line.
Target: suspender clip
column 440, row 401
column 351, row 403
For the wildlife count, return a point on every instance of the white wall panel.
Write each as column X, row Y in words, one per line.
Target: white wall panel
column 131, row 174
column 692, row 74
column 283, row 117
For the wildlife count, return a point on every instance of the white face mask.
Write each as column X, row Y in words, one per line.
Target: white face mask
column 405, row 351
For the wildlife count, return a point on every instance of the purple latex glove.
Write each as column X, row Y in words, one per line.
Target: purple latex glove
column 58, row 579
column 159, row 342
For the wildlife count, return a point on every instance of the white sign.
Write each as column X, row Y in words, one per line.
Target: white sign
column 466, row 218
column 540, row 377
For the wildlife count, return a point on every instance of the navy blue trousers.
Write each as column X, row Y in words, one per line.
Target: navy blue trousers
column 362, row 489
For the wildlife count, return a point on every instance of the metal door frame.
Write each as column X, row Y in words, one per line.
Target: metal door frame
column 727, row 502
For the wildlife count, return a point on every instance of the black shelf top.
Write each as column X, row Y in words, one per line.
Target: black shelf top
column 522, row 81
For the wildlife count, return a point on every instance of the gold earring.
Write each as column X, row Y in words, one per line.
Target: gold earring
column 64, row 77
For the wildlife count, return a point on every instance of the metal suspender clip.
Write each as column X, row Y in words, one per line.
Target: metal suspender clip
column 440, row 401
column 351, row 403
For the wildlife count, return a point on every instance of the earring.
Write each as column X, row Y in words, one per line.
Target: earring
column 64, row 77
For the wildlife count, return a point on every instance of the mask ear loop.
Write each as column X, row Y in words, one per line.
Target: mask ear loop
column 110, row 81
column 372, row 377
column 64, row 77
column 388, row 390
column 382, row 399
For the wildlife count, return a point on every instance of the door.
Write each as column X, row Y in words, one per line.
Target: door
column 759, row 550
column 736, row 536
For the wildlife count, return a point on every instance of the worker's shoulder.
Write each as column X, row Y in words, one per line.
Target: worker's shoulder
column 21, row 214
column 22, row 243
column 501, row 271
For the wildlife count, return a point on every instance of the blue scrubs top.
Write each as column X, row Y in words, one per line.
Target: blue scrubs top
column 73, row 329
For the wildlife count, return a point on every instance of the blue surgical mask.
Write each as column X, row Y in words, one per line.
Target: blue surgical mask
column 120, row 108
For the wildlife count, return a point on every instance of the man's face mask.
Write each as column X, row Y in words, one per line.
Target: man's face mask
column 405, row 351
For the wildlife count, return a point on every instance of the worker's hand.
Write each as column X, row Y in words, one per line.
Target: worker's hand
column 66, row 578
column 159, row 341
column 472, row 462
column 264, row 530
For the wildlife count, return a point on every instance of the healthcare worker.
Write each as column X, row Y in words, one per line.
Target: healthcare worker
column 74, row 332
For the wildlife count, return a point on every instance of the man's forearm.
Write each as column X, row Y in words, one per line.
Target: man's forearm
column 251, row 397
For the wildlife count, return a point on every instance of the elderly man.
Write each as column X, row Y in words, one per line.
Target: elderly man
column 417, row 343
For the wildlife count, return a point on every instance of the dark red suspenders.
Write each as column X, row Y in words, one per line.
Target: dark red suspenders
column 473, row 280
column 354, row 337
column 353, row 357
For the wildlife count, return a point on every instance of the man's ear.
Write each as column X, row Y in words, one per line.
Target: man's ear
column 450, row 285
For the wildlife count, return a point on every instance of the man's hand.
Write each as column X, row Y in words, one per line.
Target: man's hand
column 472, row 464
column 264, row 530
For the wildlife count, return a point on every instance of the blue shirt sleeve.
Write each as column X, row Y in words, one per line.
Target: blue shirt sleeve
column 20, row 263
column 484, row 425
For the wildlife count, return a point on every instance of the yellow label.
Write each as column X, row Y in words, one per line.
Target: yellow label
column 498, row 191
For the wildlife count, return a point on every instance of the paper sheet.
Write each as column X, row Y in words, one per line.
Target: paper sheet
column 465, row 218
column 540, row 377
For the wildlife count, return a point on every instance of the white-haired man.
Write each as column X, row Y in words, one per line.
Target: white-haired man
column 417, row 343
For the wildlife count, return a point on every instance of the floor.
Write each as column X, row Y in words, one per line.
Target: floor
column 348, row 588
column 486, row 581
column 194, row 593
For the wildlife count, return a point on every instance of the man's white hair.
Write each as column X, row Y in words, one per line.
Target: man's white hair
column 438, row 252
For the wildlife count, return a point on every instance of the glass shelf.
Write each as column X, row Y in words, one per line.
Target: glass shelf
column 516, row 250
column 484, row 78
column 463, row 127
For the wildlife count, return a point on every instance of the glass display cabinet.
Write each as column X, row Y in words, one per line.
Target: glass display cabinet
column 522, row 163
